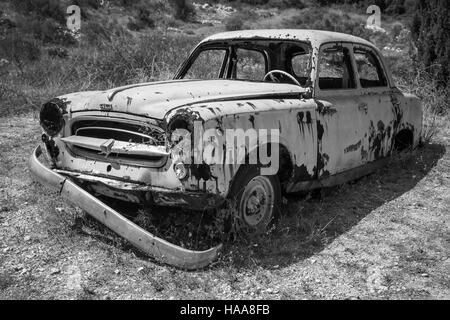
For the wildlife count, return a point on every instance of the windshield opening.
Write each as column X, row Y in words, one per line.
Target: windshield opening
column 250, row 61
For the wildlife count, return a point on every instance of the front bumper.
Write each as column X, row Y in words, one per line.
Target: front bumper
column 156, row 247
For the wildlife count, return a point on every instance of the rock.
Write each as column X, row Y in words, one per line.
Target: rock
column 74, row 278
column 26, row 238
column 375, row 280
column 54, row 271
column 140, row 269
column 117, row 271
column 425, row 275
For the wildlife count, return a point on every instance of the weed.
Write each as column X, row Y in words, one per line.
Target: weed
column 6, row 280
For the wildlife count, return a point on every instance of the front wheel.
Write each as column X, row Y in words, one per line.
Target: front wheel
column 256, row 199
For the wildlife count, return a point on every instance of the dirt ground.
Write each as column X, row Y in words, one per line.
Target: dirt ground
column 385, row 236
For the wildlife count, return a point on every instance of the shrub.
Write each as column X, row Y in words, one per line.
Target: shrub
column 234, row 22
column 94, row 32
column 397, row 28
column 430, row 32
column 135, row 25
column 396, row 7
column 58, row 52
column 142, row 20
column 183, row 9
column 47, row 30
column 286, row 4
column 94, row 4
column 19, row 50
column 42, row 8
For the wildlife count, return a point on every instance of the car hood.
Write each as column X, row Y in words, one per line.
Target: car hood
column 156, row 99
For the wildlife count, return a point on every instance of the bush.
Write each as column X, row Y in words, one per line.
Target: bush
column 184, row 9
column 94, row 4
column 396, row 7
column 142, row 20
column 42, row 8
column 320, row 19
column 58, row 52
column 286, row 4
column 18, row 50
column 94, row 32
column 234, row 22
column 429, row 30
column 135, row 25
column 397, row 28
column 129, row 60
column 46, row 30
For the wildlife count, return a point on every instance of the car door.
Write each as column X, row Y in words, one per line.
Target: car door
column 341, row 120
column 377, row 101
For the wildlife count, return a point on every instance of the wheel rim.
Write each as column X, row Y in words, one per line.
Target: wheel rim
column 256, row 205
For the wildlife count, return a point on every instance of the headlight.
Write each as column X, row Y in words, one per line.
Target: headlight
column 180, row 170
column 51, row 117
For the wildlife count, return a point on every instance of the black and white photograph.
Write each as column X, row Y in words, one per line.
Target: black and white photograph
column 236, row 151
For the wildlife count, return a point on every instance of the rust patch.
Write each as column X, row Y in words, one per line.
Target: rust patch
column 201, row 171
column 252, row 120
column 301, row 173
column 308, row 117
column 52, row 148
column 376, row 138
column 353, row 147
column 320, row 130
column 325, row 110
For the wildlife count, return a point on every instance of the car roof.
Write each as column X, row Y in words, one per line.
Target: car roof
column 315, row 37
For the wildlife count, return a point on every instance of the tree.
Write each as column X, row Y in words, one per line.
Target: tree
column 431, row 33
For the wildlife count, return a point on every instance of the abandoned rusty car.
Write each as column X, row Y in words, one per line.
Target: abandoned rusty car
column 335, row 110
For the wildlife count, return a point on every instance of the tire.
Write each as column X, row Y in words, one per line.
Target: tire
column 256, row 199
column 403, row 141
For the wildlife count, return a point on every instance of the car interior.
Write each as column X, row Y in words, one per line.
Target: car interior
column 287, row 62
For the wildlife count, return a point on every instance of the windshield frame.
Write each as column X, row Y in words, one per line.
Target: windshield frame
column 231, row 45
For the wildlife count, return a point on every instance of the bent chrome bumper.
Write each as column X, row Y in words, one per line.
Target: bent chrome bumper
column 158, row 248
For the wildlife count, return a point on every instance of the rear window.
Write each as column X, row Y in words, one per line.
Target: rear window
column 369, row 69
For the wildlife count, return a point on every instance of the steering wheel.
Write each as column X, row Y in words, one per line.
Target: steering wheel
column 270, row 74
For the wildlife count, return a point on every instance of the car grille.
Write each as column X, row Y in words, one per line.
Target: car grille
column 139, row 136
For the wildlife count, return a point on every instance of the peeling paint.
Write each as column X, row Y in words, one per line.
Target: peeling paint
column 353, row 147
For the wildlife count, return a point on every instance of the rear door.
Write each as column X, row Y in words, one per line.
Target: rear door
column 377, row 101
column 341, row 121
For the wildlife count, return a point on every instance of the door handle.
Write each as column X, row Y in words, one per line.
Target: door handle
column 362, row 106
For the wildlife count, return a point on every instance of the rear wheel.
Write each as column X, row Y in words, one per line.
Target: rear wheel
column 256, row 198
column 403, row 141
